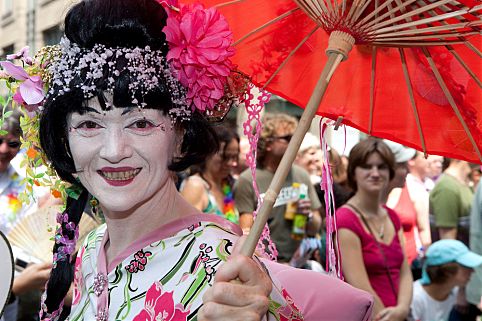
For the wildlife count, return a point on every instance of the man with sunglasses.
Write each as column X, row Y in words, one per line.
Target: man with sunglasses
column 274, row 138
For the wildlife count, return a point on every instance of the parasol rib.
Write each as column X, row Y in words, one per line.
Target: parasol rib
column 413, row 104
column 427, row 37
column 377, row 28
column 473, row 48
column 269, row 23
column 375, row 12
column 451, row 101
column 380, row 22
column 407, row 44
column 430, row 29
column 466, row 43
column 452, row 51
column 285, row 61
column 354, row 7
column 360, row 11
column 311, row 10
column 228, row 3
column 462, row 62
column 320, row 6
column 330, row 7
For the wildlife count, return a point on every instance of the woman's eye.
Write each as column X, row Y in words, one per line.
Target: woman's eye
column 142, row 124
column 87, row 128
column 88, row 125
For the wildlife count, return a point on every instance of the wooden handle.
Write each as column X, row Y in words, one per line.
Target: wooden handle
column 334, row 59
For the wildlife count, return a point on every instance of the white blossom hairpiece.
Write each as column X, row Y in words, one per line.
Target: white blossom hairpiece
column 100, row 66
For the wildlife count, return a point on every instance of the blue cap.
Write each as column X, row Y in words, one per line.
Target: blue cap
column 447, row 251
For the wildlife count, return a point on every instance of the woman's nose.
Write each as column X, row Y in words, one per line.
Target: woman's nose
column 375, row 170
column 116, row 146
column 233, row 163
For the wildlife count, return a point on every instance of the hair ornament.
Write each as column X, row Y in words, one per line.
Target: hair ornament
column 200, row 50
column 100, row 66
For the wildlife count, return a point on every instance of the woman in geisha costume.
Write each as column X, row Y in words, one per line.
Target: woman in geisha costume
column 127, row 102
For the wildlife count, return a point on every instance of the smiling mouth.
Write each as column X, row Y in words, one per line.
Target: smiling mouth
column 120, row 176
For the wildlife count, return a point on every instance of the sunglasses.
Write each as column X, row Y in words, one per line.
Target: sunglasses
column 286, row 138
column 10, row 143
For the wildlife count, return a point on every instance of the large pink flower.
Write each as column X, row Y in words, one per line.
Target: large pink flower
column 199, row 50
column 160, row 306
column 30, row 92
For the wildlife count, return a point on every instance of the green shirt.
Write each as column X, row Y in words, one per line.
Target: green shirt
column 450, row 203
column 280, row 229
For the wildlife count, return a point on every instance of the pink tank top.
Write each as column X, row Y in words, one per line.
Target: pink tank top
column 373, row 258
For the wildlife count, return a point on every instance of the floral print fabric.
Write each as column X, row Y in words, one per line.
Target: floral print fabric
column 162, row 278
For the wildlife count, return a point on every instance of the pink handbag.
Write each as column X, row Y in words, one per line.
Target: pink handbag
column 322, row 297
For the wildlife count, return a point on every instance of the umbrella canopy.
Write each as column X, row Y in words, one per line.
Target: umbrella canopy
column 412, row 77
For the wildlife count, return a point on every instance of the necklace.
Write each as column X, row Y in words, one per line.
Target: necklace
column 380, row 230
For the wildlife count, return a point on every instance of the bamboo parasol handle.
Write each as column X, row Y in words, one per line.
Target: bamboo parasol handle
column 334, row 58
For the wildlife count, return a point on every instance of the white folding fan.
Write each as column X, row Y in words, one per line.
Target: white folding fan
column 34, row 233
column 6, row 271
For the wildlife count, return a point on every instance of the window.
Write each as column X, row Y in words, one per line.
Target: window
column 7, row 50
column 52, row 36
column 7, row 7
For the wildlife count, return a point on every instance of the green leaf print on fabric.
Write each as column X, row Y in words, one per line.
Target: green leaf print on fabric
column 222, row 250
column 179, row 263
column 127, row 297
column 118, row 275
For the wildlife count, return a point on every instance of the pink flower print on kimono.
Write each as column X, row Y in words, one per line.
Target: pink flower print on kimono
column 289, row 312
column 139, row 262
column 160, row 306
column 78, row 280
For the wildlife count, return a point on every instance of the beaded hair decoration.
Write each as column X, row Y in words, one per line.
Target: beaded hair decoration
column 100, row 67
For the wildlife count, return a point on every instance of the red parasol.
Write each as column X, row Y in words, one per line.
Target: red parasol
column 412, row 77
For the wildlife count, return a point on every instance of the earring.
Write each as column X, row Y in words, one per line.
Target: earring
column 96, row 210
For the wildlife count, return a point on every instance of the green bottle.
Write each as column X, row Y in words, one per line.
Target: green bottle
column 300, row 220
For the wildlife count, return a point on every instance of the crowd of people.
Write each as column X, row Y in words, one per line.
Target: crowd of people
column 409, row 228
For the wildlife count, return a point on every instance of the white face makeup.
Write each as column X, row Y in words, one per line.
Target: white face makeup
column 121, row 155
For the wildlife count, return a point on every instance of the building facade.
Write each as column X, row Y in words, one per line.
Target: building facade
column 33, row 23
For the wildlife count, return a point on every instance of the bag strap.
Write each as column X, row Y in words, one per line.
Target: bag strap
column 387, row 270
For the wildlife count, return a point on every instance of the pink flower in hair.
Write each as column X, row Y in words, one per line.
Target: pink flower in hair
column 199, row 52
column 30, row 92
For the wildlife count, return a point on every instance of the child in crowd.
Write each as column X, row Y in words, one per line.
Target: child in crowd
column 448, row 265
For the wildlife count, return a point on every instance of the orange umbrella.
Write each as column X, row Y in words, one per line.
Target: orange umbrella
column 412, row 77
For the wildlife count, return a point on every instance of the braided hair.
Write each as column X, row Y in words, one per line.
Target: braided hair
column 113, row 23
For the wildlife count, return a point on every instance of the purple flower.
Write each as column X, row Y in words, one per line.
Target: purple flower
column 22, row 55
column 30, row 92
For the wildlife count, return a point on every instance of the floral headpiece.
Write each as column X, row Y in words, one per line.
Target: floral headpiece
column 100, row 66
column 197, row 71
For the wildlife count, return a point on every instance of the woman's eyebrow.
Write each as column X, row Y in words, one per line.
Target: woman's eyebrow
column 89, row 109
column 128, row 109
